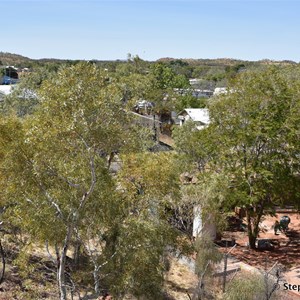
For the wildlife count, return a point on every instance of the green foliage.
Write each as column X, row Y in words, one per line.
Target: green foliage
column 165, row 77
column 134, row 87
column 215, row 74
column 24, row 98
column 253, row 123
column 251, row 286
column 148, row 185
column 138, row 265
column 232, row 71
column 181, row 67
column 85, row 120
column 163, row 81
column 200, row 71
column 133, row 65
column 189, row 101
column 33, row 80
column 207, row 255
column 55, row 171
column 246, row 141
column 154, row 174
column 22, row 262
column 22, row 102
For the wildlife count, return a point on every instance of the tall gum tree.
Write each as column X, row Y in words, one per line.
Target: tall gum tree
column 253, row 141
column 57, row 168
column 149, row 185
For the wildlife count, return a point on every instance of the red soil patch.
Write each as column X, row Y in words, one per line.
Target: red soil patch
column 287, row 246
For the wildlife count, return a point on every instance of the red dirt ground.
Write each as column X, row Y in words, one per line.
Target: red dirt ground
column 286, row 251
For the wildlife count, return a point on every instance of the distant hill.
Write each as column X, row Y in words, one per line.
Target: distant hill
column 211, row 72
column 7, row 58
column 275, row 62
column 10, row 59
column 223, row 62
column 207, row 62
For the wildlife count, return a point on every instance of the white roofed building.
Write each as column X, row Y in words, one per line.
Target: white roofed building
column 220, row 90
column 198, row 115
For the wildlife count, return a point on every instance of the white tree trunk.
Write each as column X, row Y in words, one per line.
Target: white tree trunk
column 62, row 266
column 96, row 280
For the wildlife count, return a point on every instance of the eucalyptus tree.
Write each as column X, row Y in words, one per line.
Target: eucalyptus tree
column 59, row 170
column 149, row 186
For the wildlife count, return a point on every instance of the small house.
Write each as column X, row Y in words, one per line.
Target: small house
column 200, row 116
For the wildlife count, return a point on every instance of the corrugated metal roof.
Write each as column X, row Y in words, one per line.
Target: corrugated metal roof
column 197, row 114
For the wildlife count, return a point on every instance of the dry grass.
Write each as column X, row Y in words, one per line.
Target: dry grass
column 180, row 281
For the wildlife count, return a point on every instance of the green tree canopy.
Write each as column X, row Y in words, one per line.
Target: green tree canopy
column 253, row 140
column 163, row 82
column 55, row 169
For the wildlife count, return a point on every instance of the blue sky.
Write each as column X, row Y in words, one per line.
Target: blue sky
column 96, row 29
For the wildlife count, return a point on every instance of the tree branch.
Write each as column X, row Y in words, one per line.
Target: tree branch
column 49, row 254
column 51, row 201
column 92, row 185
column 69, row 182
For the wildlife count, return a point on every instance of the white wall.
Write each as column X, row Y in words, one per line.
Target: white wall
column 203, row 227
